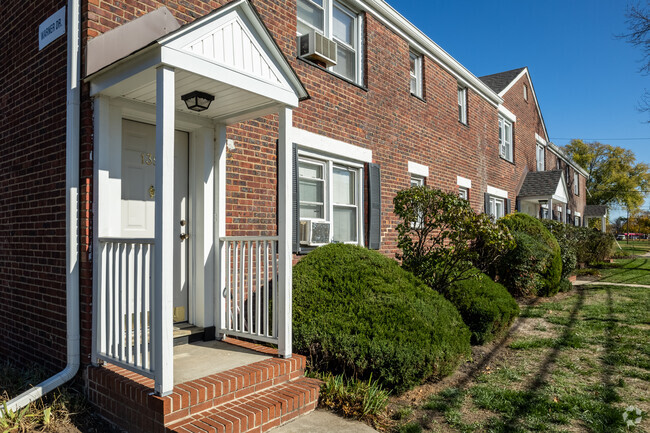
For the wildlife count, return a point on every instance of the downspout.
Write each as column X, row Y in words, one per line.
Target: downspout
column 72, row 219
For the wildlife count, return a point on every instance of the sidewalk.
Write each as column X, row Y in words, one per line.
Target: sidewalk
column 605, row 283
column 322, row 421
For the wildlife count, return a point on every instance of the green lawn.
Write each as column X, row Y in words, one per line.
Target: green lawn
column 630, row 271
column 634, row 247
column 572, row 363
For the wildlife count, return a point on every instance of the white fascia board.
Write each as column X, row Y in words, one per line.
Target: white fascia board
column 322, row 144
column 507, row 113
column 464, row 182
column 418, row 169
column 114, row 74
column 540, row 140
column 497, row 192
column 392, row 19
column 220, row 73
column 560, row 154
column 561, row 192
column 532, row 90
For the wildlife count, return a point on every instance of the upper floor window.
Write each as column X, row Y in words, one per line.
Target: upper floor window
column 416, row 73
column 335, row 21
column 463, row 192
column 417, row 180
column 525, row 92
column 462, row 105
column 505, row 139
column 558, row 164
column 540, row 157
column 576, row 183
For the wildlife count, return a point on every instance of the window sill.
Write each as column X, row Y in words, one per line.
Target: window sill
column 341, row 77
column 507, row 160
column 419, row 97
column 465, row 124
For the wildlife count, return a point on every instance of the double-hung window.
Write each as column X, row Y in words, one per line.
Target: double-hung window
column 497, row 207
column 330, row 192
column 463, row 193
column 505, row 139
column 462, row 105
column 415, row 60
column 540, row 157
column 335, row 21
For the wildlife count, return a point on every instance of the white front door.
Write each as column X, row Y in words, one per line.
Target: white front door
column 138, row 199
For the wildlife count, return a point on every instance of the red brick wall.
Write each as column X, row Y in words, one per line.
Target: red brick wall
column 32, row 187
column 383, row 117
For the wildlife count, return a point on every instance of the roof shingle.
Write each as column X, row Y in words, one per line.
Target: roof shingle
column 540, row 183
column 500, row 81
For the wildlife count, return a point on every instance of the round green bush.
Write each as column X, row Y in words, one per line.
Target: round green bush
column 358, row 312
column 487, row 308
column 551, row 273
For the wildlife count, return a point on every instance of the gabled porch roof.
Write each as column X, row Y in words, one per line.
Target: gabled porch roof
column 544, row 185
column 228, row 53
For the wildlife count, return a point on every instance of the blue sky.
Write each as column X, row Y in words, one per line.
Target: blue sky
column 586, row 79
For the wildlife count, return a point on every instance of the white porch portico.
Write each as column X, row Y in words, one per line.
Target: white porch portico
column 148, row 254
column 544, row 195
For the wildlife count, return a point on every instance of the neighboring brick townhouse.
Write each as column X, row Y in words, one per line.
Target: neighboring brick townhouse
column 165, row 162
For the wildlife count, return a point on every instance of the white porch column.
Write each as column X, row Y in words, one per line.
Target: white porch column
column 549, row 215
column 285, row 199
column 220, row 229
column 603, row 223
column 163, row 276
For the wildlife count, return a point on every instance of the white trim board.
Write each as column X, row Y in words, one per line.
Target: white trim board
column 464, row 182
column 497, row 192
column 509, row 115
column 418, row 169
column 331, row 146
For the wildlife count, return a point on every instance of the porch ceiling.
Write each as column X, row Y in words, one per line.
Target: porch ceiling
column 230, row 104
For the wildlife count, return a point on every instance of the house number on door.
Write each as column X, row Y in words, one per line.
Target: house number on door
column 147, row 159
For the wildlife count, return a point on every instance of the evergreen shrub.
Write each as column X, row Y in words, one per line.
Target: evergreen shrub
column 358, row 313
column 487, row 308
column 538, row 258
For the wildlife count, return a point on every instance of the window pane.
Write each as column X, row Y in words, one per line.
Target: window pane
column 345, row 224
column 414, row 85
column 346, row 63
column 311, row 211
column 343, row 26
column 311, row 191
column 311, row 171
column 412, row 58
column 311, row 14
column 343, row 186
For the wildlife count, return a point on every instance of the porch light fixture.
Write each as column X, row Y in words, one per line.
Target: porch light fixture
column 197, row 101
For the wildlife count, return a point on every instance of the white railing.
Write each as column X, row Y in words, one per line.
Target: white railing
column 125, row 294
column 249, row 295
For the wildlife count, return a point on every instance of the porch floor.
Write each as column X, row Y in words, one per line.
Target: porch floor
column 204, row 358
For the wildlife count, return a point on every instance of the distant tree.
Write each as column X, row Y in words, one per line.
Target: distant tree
column 638, row 22
column 614, row 175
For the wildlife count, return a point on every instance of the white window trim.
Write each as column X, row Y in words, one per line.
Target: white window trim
column 462, row 104
column 540, row 140
column 577, row 214
column 329, row 146
column 540, row 157
column 418, row 73
column 417, row 180
column 493, row 201
column 504, row 139
column 501, row 193
column 465, row 190
column 329, row 163
column 418, row 169
column 464, row 182
column 328, row 30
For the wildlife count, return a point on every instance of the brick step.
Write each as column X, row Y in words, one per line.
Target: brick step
column 258, row 412
column 198, row 395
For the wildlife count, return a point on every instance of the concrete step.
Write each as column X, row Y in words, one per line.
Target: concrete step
column 257, row 412
column 184, row 333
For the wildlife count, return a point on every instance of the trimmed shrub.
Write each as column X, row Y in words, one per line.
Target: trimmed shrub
column 485, row 306
column 565, row 285
column 358, row 312
column 564, row 234
column 545, row 257
column 521, row 269
column 593, row 245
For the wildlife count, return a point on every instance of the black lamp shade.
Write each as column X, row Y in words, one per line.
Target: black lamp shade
column 197, row 101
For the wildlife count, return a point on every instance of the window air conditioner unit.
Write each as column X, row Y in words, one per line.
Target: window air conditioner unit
column 315, row 233
column 314, row 46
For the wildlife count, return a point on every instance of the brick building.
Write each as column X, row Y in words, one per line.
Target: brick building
column 198, row 215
